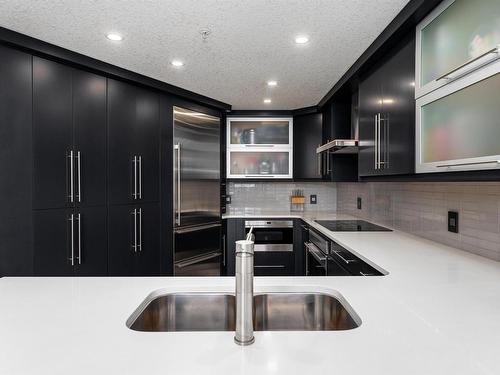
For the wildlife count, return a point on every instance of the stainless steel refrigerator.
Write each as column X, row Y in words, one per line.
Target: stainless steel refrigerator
column 196, row 187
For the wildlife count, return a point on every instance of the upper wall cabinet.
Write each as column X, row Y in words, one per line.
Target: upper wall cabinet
column 458, row 37
column 259, row 148
column 387, row 115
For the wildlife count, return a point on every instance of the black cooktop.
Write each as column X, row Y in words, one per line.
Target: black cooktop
column 351, row 226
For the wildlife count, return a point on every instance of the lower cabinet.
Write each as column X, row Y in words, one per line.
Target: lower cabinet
column 274, row 263
column 70, row 242
column 134, row 240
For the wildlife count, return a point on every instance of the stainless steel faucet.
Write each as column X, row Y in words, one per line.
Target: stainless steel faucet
column 244, row 293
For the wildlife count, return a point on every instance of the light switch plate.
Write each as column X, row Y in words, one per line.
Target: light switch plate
column 313, row 199
column 358, row 203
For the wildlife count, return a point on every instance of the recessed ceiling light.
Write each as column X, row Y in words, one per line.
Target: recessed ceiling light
column 301, row 39
column 114, row 37
column 177, row 63
column 272, row 83
column 267, row 101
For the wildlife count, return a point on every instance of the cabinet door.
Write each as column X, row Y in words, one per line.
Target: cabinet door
column 121, row 126
column 54, row 231
column 16, row 248
column 274, row 263
column 52, row 133
column 369, row 107
column 307, row 136
column 147, row 258
column 91, row 243
column 89, row 116
column 121, row 236
column 147, row 141
column 397, row 125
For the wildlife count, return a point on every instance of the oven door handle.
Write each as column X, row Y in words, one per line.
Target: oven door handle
column 316, row 253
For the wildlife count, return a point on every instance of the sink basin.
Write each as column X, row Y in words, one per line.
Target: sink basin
column 277, row 311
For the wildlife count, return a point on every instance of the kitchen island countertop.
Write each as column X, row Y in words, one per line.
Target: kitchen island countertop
column 436, row 312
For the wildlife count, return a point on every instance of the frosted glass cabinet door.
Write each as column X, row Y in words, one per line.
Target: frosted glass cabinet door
column 259, row 164
column 455, row 33
column 260, row 132
column 460, row 131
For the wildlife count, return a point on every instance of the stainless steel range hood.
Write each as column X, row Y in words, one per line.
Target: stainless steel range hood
column 339, row 146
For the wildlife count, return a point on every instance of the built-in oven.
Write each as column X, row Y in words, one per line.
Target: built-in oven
column 317, row 258
column 271, row 235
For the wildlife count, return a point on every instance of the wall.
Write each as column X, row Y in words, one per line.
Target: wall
column 421, row 209
column 259, row 197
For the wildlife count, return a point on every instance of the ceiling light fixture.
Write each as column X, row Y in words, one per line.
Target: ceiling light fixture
column 177, row 63
column 267, row 101
column 114, row 37
column 301, row 39
column 272, row 83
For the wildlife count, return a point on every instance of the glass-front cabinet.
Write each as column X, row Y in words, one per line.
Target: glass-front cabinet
column 458, row 37
column 460, row 130
column 457, row 87
column 259, row 147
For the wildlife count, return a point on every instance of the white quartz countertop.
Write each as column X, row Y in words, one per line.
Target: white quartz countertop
column 436, row 312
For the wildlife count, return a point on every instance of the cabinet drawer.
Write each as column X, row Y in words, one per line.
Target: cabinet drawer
column 273, row 264
column 354, row 265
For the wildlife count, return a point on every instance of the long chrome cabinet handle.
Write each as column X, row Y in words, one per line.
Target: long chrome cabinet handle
column 139, row 159
column 79, row 175
column 139, row 245
column 71, row 182
column 134, row 162
column 178, row 188
column 72, row 239
column 79, row 218
column 465, row 164
column 366, row 274
column 379, row 148
column 224, row 250
column 445, row 76
column 347, row 261
column 375, row 151
column 134, row 244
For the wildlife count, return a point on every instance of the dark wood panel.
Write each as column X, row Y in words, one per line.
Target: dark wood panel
column 52, row 133
column 89, row 117
column 16, row 230
column 53, row 242
column 94, row 244
column 307, row 135
column 121, row 132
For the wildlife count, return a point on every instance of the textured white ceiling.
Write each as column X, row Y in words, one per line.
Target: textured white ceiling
column 252, row 41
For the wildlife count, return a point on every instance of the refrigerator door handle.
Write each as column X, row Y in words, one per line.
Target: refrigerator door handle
column 197, row 228
column 199, row 259
column 177, row 185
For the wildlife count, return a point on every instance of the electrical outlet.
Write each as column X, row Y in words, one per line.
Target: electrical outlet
column 453, row 221
column 313, row 199
column 228, row 199
column 358, row 203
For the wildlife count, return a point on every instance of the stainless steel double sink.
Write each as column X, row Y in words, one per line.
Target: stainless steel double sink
column 280, row 311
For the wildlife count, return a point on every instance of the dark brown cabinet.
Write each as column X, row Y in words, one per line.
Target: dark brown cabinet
column 69, row 136
column 134, row 239
column 16, row 230
column 387, row 115
column 133, row 143
column 307, row 136
column 70, row 242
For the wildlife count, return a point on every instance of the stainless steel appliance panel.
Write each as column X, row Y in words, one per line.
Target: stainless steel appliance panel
column 271, row 235
column 196, row 168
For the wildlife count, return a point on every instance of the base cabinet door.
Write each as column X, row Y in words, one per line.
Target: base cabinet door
column 147, row 257
column 53, row 245
column 91, row 244
column 134, row 240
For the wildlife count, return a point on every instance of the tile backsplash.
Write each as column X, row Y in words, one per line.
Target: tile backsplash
column 422, row 209
column 256, row 197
